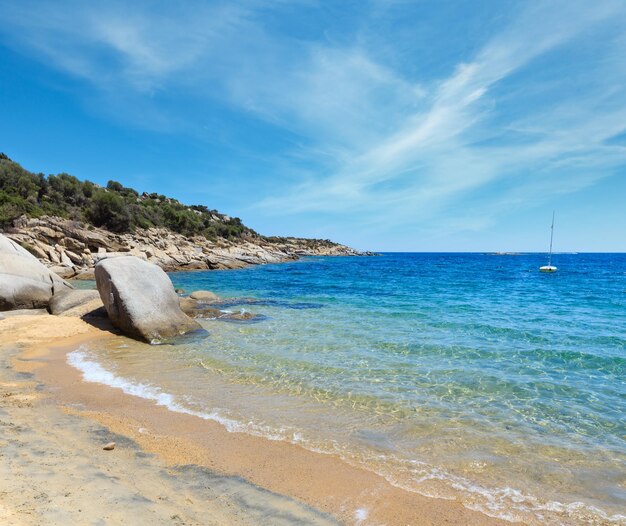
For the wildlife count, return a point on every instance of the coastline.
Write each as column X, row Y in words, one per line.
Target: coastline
column 72, row 249
column 316, row 488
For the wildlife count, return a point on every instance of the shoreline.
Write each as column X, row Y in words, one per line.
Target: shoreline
column 314, row 482
column 72, row 249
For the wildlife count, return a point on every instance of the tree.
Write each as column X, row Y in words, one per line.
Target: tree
column 110, row 211
column 88, row 189
column 117, row 208
column 115, row 186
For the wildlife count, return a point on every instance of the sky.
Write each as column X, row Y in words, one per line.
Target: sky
column 387, row 125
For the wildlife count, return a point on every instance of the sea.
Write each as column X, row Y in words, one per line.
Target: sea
column 464, row 376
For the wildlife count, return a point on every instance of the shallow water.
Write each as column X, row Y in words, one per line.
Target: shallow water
column 467, row 376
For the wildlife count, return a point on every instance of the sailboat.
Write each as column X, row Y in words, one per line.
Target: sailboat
column 549, row 267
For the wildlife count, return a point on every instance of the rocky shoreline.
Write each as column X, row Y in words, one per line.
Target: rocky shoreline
column 72, row 249
column 135, row 294
column 38, row 255
column 136, row 298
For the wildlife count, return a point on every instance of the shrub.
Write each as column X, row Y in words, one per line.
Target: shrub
column 109, row 210
column 115, row 207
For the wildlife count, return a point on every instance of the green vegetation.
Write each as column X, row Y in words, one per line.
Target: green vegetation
column 115, row 207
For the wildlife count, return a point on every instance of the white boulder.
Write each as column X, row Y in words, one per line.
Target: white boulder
column 140, row 299
column 25, row 283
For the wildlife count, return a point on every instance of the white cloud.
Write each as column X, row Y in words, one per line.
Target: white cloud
column 380, row 142
column 120, row 45
column 433, row 155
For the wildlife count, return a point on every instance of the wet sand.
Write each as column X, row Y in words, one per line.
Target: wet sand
column 167, row 467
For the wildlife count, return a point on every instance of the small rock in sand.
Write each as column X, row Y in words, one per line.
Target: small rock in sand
column 110, row 446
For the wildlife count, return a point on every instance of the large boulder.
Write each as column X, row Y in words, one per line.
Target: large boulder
column 71, row 299
column 140, row 299
column 25, row 283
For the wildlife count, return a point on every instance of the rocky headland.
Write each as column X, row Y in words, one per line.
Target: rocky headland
column 55, row 228
column 70, row 225
column 136, row 295
column 72, row 248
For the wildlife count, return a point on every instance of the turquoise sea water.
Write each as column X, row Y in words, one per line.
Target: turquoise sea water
column 467, row 376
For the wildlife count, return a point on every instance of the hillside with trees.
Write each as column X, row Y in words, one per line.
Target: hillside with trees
column 69, row 225
column 114, row 207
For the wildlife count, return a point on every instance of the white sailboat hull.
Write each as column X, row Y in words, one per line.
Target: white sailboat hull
column 549, row 267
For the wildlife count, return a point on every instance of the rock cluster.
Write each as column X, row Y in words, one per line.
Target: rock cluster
column 129, row 269
column 203, row 304
column 24, row 282
column 72, row 249
column 138, row 296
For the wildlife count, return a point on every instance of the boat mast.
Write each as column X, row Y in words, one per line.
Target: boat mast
column 551, row 236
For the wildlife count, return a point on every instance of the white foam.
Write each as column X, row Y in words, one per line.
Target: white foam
column 92, row 371
column 504, row 503
column 360, row 515
column 508, row 503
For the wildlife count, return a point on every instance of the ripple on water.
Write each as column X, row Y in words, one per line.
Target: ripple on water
column 458, row 375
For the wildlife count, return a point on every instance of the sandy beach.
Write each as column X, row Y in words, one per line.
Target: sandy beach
column 166, row 467
column 290, row 263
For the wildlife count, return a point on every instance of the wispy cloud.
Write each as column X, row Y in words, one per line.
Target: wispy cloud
column 121, row 45
column 389, row 143
column 436, row 154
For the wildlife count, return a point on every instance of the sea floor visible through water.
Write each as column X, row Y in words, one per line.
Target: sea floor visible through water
column 465, row 376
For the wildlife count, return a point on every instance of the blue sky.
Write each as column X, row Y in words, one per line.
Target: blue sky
column 386, row 125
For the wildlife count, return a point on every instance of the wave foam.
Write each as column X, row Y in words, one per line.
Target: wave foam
column 504, row 503
column 93, row 372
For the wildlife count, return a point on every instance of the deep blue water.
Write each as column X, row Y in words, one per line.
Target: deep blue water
column 472, row 376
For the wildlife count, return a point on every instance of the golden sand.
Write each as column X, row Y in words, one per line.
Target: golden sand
column 325, row 483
